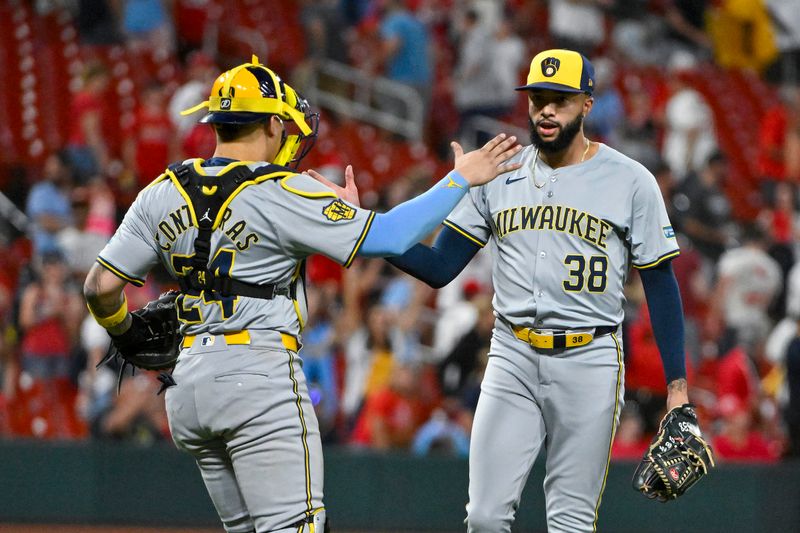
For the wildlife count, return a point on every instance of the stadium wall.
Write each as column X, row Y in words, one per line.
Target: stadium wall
column 119, row 484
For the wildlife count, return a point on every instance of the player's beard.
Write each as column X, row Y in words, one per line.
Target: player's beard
column 561, row 142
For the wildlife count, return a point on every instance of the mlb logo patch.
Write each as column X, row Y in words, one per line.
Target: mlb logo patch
column 207, row 341
column 669, row 233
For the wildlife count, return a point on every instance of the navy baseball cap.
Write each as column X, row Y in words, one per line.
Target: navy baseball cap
column 560, row 70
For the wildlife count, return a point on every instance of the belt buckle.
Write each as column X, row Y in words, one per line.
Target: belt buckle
column 533, row 334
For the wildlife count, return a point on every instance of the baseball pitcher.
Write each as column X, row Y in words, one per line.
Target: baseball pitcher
column 565, row 228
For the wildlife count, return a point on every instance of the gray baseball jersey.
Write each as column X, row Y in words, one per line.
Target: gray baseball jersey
column 266, row 231
column 241, row 407
column 563, row 242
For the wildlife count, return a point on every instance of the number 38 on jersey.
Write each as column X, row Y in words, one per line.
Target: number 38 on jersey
column 586, row 273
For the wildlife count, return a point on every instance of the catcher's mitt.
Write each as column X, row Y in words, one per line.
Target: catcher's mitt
column 677, row 458
column 153, row 340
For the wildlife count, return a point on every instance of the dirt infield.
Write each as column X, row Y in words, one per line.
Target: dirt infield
column 78, row 528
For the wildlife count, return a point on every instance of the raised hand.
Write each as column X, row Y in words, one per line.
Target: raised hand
column 348, row 193
column 487, row 162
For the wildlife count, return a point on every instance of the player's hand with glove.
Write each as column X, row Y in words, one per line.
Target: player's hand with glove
column 487, row 162
column 677, row 458
column 152, row 342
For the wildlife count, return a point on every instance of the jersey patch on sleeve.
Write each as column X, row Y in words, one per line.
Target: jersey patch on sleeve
column 338, row 210
column 669, row 233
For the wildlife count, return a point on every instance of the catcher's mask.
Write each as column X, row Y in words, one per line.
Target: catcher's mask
column 252, row 93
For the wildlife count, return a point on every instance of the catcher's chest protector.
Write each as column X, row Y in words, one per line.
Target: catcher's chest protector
column 208, row 196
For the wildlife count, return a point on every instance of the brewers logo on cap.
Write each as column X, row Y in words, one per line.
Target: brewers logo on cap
column 560, row 70
column 550, row 66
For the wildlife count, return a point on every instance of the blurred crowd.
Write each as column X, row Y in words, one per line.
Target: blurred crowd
column 391, row 363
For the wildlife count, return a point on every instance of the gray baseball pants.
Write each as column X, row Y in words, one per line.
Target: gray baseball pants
column 244, row 413
column 568, row 400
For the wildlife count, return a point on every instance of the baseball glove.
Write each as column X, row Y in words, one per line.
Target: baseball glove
column 153, row 340
column 677, row 458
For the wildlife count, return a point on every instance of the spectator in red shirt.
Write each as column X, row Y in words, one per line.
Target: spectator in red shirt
column 149, row 142
column 736, row 376
column 86, row 144
column 643, row 369
column 50, row 313
column 782, row 223
column 772, row 141
column 392, row 415
column 739, row 441
column 644, row 372
column 630, row 442
column 695, row 289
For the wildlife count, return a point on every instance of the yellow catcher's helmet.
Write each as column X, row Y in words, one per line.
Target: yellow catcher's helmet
column 251, row 93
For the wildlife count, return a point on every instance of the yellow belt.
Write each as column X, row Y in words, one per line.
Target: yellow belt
column 243, row 337
column 549, row 341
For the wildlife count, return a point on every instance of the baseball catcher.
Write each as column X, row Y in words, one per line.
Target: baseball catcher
column 677, row 458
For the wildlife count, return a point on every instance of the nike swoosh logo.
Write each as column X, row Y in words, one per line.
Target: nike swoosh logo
column 509, row 181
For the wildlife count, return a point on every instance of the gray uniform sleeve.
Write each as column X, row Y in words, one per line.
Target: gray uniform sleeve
column 314, row 220
column 651, row 236
column 130, row 254
column 470, row 220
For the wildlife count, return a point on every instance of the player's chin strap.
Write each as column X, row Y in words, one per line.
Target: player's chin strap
column 207, row 196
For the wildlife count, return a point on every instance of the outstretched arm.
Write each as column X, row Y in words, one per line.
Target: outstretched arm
column 395, row 232
column 440, row 264
column 666, row 317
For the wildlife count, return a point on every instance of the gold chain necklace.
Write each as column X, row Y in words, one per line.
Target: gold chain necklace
column 536, row 159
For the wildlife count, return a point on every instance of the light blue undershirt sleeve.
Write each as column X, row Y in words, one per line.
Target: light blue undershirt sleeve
column 394, row 232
